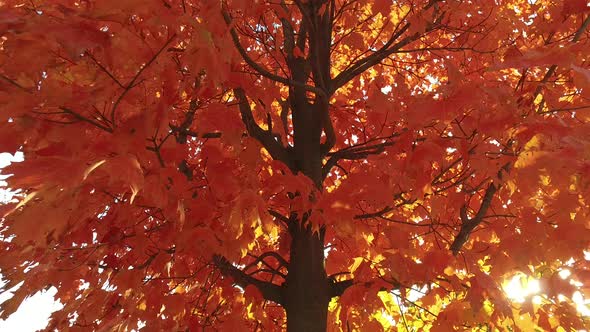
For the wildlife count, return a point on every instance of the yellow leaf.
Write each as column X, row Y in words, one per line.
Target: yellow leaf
column 258, row 232
column 22, row 203
column 142, row 306
column 92, row 168
column 134, row 192
column 530, row 152
column 356, row 264
column 181, row 214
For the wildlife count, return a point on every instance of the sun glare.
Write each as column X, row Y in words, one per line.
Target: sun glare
column 520, row 287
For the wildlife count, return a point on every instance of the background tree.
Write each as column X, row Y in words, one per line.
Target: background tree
column 308, row 165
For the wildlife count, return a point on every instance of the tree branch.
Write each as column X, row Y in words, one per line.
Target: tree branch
column 581, row 30
column 266, row 138
column 356, row 152
column 191, row 133
column 378, row 214
column 269, row 290
column 337, row 288
column 381, row 213
column 105, row 70
column 386, row 50
column 279, row 216
column 14, row 83
column 131, row 83
column 85, row 119
column 260, row 259
column 257, row 67
column 270, row 271
column 469, row 224
column 187, row 122
column 553, row 68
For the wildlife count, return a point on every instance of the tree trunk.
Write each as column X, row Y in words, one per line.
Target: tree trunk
column 307, row 287
column 308, row 290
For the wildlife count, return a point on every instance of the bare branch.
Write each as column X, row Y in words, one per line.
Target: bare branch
column 14, row 83
column 258, row 68
column 85, row 119
column 581, row 30
column 469, row 224
column 270, row 271
column 390, row 47
column 553, row 68
column 260, row 259
column 187, row 122
column 269, row 290
column 381, row 213
column 131, row 83
column 266, row 138
column 279, row 216
column 337, row 288
column 191, row 133
column 378, row 214
column 357, row 152
column 105, row 70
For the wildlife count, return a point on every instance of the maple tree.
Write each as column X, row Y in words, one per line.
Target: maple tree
column 298, row 164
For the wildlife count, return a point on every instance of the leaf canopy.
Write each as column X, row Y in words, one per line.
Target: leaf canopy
column 446, row 149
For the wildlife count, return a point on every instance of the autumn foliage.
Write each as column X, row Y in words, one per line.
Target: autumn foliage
column 308, row 165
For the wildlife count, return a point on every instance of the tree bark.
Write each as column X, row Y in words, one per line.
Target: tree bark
column 307, row 289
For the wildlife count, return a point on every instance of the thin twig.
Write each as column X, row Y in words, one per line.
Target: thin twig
column 131, row 83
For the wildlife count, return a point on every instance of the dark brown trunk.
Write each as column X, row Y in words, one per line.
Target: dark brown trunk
column 307, row 288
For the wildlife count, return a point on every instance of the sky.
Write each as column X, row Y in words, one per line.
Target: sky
column 34, row 312
column 32, row 315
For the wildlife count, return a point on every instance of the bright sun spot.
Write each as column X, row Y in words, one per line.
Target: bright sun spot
column 520, row 287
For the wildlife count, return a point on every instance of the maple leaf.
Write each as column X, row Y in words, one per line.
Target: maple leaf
column 299, row 165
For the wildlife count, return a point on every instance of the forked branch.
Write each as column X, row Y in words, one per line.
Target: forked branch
column 259, row 68
column 469, row 224
column 80, row 117
column 133, row 80
column 393, row 45
column 359, row 151
column 265, row 137
column 268, row 290
column 261, row 259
